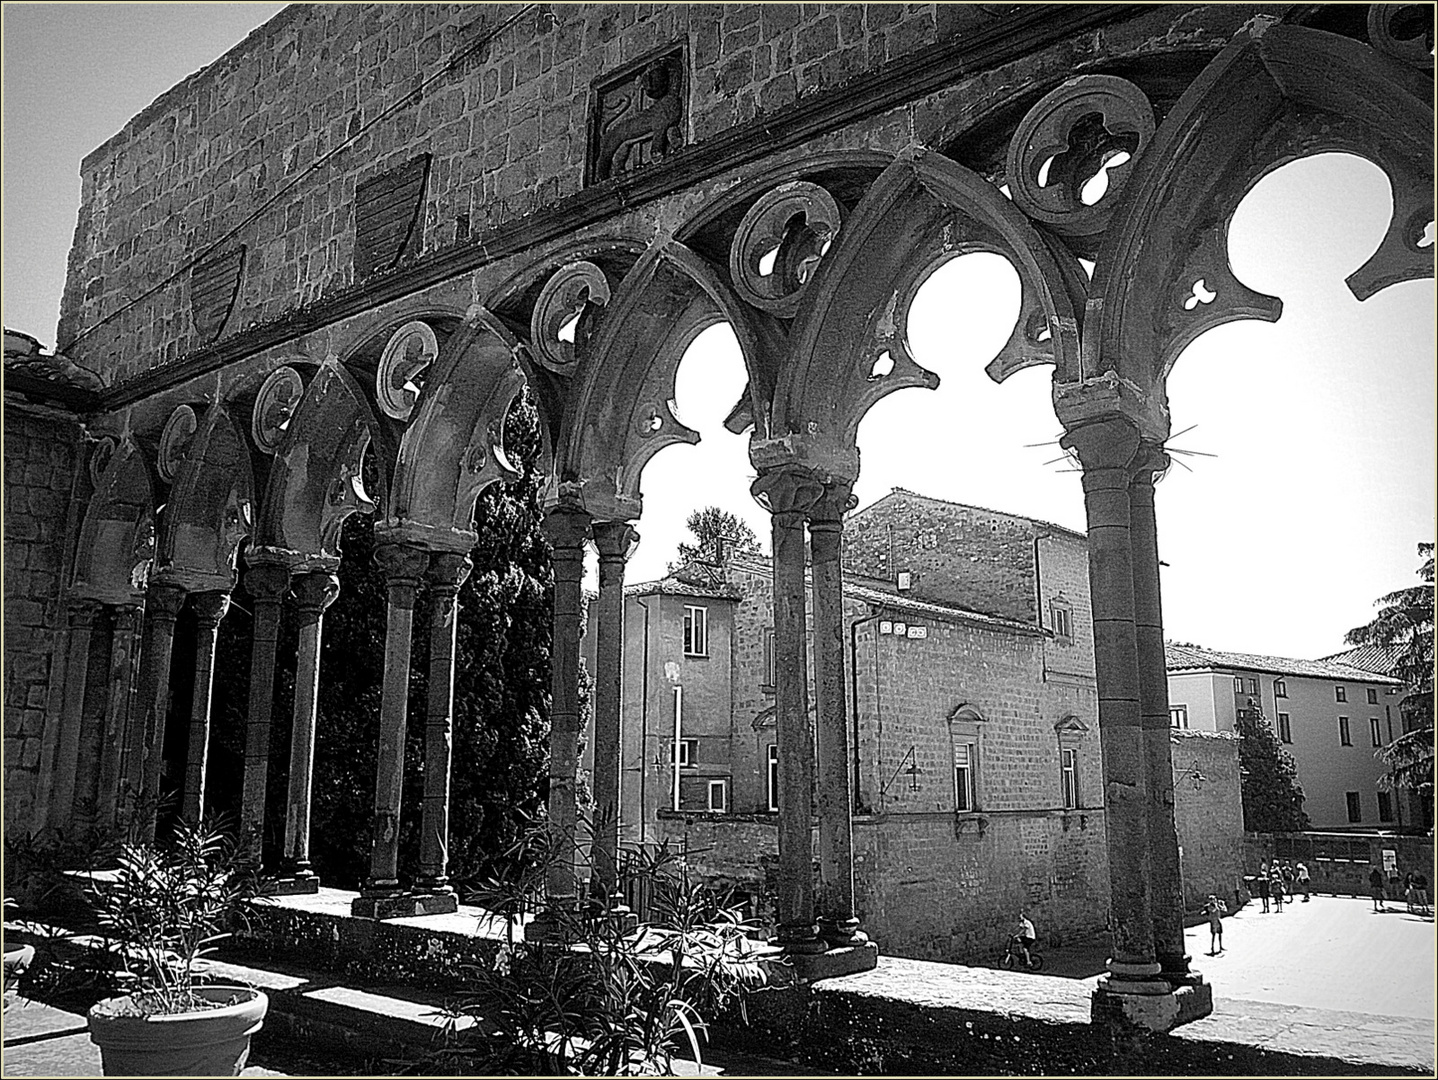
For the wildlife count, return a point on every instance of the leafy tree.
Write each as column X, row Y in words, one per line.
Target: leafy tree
column 713, row 528
column 1404, row 626
column 1272, row 796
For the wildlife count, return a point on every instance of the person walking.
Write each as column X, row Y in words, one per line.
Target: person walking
column 1303, row 882
column 1420, row 886
column 1263, row 885
column 1216, row 910
column 1375, row 886
column 1410, row 897
column 1277, row 889
column 1287, row 880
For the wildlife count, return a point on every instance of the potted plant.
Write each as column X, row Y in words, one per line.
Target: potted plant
column 163, row 911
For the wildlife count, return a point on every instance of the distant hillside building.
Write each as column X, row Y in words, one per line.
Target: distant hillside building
column 1331, row 716
column 978, row 773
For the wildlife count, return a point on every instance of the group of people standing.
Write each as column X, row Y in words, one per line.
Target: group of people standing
column 1279, row 882
column 1415, row 891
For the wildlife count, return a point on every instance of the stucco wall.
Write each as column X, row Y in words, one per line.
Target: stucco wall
column 1208, row 814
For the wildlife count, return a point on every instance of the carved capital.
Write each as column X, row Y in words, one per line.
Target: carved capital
column 127, row 617
column 1148, row 464
column 266, row 582
column 828, row 512
column 210, row 607
column 83, row 613
column 1105, row 450
column 615, row 540
column 788, row 493
column 566, row 527
column 448, row 570
column 403, row 566
column 315, row 591
column 163, row 602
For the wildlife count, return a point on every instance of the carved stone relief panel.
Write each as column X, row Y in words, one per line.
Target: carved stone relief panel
column 637, row 115
column 214, row 285
column 389, row 217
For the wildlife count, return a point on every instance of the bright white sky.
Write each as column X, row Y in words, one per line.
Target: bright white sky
column 1324, row 423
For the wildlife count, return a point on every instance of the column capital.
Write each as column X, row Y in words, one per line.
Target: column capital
column 787, row 492
column 266, row 582
column 163, row 601
column 1103, row 446
column 1148, row 463
column 128, row 616
column 403, row 566
column 314, row 591
column 828, row 512
column 84, row 612
column 448, row 570
column 615, row 540
column 210, row 607
column 566, row 526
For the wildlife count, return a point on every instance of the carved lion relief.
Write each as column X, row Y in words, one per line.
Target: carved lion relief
column 637, row 116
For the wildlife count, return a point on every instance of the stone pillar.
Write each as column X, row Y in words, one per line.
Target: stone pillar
column 146, row 744
column 403, row 566
column 613, row 539
column 1106, row 451
column 210, row 608
column 266, row 583
column 838, row 920
column 119, row 759
column 789, row 494
column 567, row 527
column 72, row 717
column 314, row 591
column 1165, row 876
column 447, row 572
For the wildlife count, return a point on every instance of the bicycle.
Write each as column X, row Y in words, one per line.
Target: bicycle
column 1014, row 958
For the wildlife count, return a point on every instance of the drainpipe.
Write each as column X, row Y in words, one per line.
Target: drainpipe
column 1039, row 604
column 854, row 684
column 678, row 735
column 644, row 731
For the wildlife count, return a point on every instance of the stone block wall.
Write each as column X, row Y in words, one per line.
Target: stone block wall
column 265, row 147
column 1339, row 863
column 1208, row 814
column 41, row 455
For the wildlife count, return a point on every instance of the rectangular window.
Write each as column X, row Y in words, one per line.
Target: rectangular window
column 1355, row 807
column 1375, row 728
column 1385, row 806
column 1372, row 696
column 1062, row 616
column 1178, row 716
column 1069, row 777
column 718, row 796
column 696, row 631
column 1340, row 693
column 773, row 785
column 1344, row 738
column 1237, row 685
column 964, row 776
column 688, row 753
column 1280, row 688
column 1285, row 730
column 768, row 656
column 1253, row 686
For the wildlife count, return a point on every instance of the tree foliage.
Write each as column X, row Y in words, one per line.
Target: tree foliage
column 1404, row 626
column 1272, row 796
column 712, row 529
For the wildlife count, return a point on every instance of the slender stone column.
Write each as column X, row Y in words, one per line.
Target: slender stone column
column 1106, row 450
column 313, row 591
column 838, row 920
column 403, row 566
column 447, row 572
column 789, row 494
column 613, row 539
column 72, row 718
column 119, row 759
column 567, row 527
column 145, row 745
column 210, row 608
column 266, row 582
column 1165, row 874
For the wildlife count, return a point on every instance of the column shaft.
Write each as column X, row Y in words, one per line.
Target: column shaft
column 145, row 743
column 72, row 717
column 210, row 608
column 838, row 919
column 314, row 592
column 1165, row 877
column 1105, row 451
column 117, row 759
column 613, row 539
column 567, row 528
column 447, row 573
column 403, row 566
column 266, row 583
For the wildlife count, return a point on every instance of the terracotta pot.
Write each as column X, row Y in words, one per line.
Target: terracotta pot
column 211, row 1042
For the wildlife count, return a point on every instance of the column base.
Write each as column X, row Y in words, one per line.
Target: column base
column 552, row 926
column 1154, row 1005
column 840, row 960
column 292, row 885
column 798, row 939
column 404, row 905
column 841, row 932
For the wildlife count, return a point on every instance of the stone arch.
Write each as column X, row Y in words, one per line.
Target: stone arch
column 1275, row 94
column 922, row 211
column 317, row 479
column 210, row 509
column 117, row 537
column 454, row 448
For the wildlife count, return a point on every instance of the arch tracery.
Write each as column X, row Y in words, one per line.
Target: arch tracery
column 210, row 509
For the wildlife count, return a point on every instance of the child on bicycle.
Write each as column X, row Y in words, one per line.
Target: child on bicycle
column 1025, row 938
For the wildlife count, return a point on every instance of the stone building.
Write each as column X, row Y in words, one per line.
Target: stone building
column 1332, row 717
column 308, row 282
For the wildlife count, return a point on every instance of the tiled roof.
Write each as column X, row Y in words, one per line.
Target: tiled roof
column 1191, row 657
column 1377, row 658
column 672, row 586
column 1075, row 533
